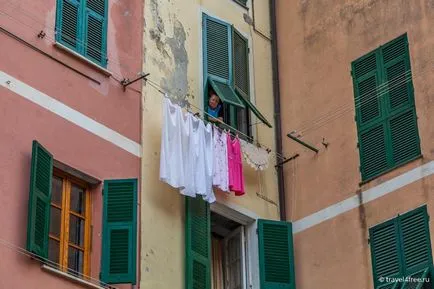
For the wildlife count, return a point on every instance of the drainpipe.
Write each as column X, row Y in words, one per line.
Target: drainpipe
column 277, row 119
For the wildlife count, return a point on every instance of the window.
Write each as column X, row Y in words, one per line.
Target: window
column 58, row 225
column 401, row 247
column 69, row 237
column 216, row 255
column 82, row 27
column 228, row 266
column 385, row 109
column 226, row 71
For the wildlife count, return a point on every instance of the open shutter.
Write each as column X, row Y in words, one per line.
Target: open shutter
column 197, row 244
column 416, row 244
column 241, row 62
column 96, row 31
column 39, row 200
column 276, row 256
column 241, row 73
column 118, row 262
column 217, row 44
column 385, row 251
column 68, row 23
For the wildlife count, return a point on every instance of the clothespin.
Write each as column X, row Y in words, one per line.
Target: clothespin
column 268, row 150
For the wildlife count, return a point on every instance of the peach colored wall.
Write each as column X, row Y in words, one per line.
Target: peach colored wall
column 317, row 41
column 102, row 99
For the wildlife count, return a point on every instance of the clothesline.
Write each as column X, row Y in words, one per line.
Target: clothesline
column 233, row 131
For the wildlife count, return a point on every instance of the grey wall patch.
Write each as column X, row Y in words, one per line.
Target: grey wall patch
column 177, row 82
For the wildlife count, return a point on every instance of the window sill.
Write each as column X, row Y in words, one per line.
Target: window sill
column 70, row 277
column 84, row 59
column 391, row 169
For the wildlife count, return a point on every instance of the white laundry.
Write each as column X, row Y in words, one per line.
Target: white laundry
column 220, row 171
column 171, row 158
column 198, row 165
column 256, row 157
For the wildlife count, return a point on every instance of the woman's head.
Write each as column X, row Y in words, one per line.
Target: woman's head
column 214, row 100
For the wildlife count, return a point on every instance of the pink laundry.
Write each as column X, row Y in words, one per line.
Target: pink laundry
column 235, row 166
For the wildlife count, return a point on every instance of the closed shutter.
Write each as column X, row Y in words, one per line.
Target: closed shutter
column 39, row 201
column 118, row 262
column 366, row 78
column 217, row 46
column 373, row 151
column 96, row 30
column 385, row 108
column 404, row 135
column 69, row 23
column 416, row 244
column 385, row 251
column 276, row 256
column 197, row 244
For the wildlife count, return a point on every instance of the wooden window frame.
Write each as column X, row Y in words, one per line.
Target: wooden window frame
column 64, row 244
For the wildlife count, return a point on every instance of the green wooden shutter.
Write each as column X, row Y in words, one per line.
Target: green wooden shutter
column 217, row 45
column 197, row 244
column 373, row 151
column 366, row 78
column 96, row 31
column 385, row 251
column 240, row 62
column 276, row 255
column 38, row 223
column 416, row 243
column 118, row 262
column 404, row 135
column 226, row 93
column 68, row 24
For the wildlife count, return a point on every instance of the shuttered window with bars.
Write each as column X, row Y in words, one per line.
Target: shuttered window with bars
column 385, row 109
column 401, row 247
column 81, row 25
column 58, row 227
column 226, row 71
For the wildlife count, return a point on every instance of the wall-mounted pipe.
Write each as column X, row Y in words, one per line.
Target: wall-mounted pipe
column 276, row 99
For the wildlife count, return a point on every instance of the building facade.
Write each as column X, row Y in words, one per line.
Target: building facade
column 356, row 83
column 191, row 47
column 70, row 143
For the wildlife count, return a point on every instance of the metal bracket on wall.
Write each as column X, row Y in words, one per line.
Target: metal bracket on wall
column 125, row 82
column 287, row 160
column 302, row 143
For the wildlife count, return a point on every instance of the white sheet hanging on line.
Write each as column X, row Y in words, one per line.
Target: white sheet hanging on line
column 199, row 160
column 256, row 157
column 171, row 158
column 186, row 160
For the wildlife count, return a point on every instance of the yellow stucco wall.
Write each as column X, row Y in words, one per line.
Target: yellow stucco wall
column 173, row 57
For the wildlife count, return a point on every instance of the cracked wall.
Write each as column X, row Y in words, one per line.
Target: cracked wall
column 173, row 56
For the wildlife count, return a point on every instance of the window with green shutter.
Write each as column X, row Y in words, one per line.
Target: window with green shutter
column 197, row 244
column 119, row 250
column 226, row 71
column 81, row 25
column 385, row 109
column 276, row 255
column 242, row 2
column 401, row 247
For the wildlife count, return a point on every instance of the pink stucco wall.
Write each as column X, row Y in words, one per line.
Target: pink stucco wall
column 101, row 99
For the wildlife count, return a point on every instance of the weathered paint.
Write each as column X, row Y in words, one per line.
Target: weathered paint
column 318, row 40
column 173, row 57
column 92, row 94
